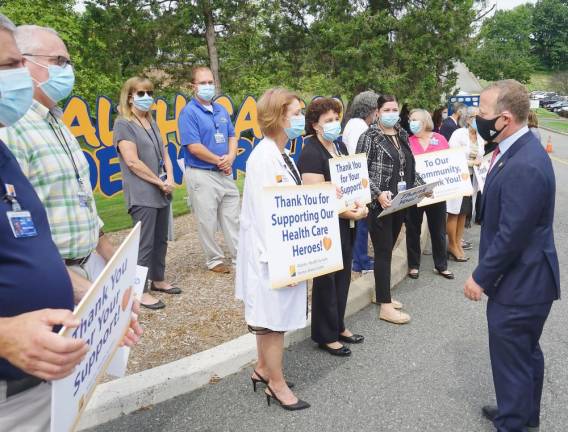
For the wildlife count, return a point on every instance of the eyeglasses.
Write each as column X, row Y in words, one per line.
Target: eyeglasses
column 141, row 93
column 61, row 61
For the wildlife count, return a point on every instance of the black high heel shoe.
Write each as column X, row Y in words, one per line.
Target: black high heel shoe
column 300, row 405
column 263, row 381
column 457, row 259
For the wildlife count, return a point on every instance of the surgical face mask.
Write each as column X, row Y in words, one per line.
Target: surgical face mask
column 206, row 91
column 297, row 125
column 389, row 119
column 445, row 115
column 473, row 124
column 486, row 128
column 16, row 94
column 415, row 126
column 143, row 103
column 60, row 82
column 331, row 131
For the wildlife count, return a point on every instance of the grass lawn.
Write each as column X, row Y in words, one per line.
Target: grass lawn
column 113, row 210
column 552, row 120
column 540, row 81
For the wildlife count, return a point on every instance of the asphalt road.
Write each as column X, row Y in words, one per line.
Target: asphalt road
column 431, row 375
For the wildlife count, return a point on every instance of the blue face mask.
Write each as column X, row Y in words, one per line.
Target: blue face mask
column 60, row 83
column 389, row 119
column 331, row 131
column 297, row 126
column 16, row 94
column 415, row 126
column 206, row 91
column 474, row 124
column 143, row 103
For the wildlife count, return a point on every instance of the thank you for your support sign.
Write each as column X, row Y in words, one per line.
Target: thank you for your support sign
column 449, row 168
column 302, row 234
column 350, row 174
column 104, row 314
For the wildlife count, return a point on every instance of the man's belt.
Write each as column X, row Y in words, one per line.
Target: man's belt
column 77, row 261
column 216, row 169
column 18, row 386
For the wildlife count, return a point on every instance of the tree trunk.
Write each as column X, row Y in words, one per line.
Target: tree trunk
column 210, row 38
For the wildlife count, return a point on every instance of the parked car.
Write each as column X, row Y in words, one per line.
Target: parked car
column 558, row 106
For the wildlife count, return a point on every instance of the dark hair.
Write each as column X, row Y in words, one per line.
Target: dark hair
column 316, row 109
column 383, row 99
column 196, row 69
column 437, row 117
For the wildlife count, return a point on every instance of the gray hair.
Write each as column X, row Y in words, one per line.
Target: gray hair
column 6, row 24
column 364, row 104
column 512, row 97
column 458, row 107
column 472, row 110
column 27, row 38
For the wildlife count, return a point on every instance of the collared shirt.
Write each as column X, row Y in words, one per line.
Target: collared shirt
column 208, row 126
column 32, row 274
column 508, row 142
column 354, row 128
column 49, row 154
column 437, row 142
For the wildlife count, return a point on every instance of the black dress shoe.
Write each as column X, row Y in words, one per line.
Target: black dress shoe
column 354, row 339
column 340, row 352
column 490, row 412
column 154, row 306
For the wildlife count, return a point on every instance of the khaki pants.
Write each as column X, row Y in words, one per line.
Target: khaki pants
column 29, row 411
column 215, row 201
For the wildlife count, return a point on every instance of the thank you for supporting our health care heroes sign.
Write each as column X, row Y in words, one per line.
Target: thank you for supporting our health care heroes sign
column 350, row 174
column 104, row 315
column 302, row 232
column 449, row 167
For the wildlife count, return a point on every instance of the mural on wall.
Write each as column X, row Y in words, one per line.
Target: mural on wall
column 93, row 128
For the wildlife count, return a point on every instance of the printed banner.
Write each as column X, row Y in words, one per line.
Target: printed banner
column 449, row 168
column 302, row 234
column 104, row 314
column 481, row 171
column 408, row 198
column 350, row 174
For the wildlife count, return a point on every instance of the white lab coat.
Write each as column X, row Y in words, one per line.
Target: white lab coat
column 460, row 139
column 354, row 128
column 280, row 309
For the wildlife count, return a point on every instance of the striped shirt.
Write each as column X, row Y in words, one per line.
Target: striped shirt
column 52, row 160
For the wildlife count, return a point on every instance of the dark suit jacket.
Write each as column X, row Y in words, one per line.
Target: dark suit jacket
column 518, row 264
column 448, row 127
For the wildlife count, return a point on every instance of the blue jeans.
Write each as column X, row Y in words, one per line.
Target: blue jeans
column 361, row 259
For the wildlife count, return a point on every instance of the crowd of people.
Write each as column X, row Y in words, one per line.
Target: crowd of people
column 45, row 183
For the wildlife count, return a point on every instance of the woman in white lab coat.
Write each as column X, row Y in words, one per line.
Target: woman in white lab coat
column 269, row 313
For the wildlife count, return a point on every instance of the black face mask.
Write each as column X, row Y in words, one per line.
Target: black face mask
column 486, row 128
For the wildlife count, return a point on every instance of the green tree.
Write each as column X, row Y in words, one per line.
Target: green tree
column 503, row 47
column 551, row 33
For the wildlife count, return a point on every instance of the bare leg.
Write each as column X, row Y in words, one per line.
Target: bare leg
column 459, row 233
column 272, row 346
column 451, row 228
column 261, row 363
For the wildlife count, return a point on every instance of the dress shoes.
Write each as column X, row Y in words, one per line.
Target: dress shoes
column 340, row 352
column 395, row 317
column 490, row 412
column 353, row 339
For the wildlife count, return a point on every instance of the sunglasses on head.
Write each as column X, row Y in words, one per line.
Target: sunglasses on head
column 141, row 93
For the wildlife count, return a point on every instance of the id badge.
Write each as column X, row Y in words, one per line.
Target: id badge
column 22, row 224
column 219, row 138
column 434, row 141
column 83, row 199
column 401, row 186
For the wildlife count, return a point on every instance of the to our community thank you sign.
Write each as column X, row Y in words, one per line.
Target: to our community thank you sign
column 302, row 232
column 104, row 315
column 350, row 174
column 408, row 198
column 449, row 168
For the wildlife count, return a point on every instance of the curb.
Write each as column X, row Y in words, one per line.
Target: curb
column 131, row 393
column 552, row 130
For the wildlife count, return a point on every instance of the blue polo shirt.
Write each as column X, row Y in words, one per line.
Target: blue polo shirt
column 197, row 124
column 32, row 273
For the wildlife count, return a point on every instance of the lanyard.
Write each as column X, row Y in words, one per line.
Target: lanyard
column 292, row 169
column 398, row 146
column 10, row 196
column 65, row 146
column 156, row 146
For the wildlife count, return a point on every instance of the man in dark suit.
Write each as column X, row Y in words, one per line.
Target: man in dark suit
column 518, row 267
column 451, row 123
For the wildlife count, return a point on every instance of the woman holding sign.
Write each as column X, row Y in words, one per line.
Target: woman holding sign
column 269, row 312
column 329, row 292
column 423, row 141
column 391, row 170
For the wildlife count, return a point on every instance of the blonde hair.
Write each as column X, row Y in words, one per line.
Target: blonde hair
column 124, row 107
column 533, row 119
column 425, row 117
column 272, row 107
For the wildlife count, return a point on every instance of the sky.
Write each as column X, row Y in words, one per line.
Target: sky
column 510, row 4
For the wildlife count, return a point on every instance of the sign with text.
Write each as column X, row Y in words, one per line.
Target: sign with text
column 408, row 198
column 104, row 315
column 302, row 232
column 350, row 174
column 481, row 171
column 449, row 168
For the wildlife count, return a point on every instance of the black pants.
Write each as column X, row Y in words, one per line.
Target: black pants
column 329, row 294
column 384, row 232
column 153, row 240
column 436, row 217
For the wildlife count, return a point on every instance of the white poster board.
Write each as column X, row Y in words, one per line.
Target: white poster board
column 481, row 171
column 449, row 168
column 350, row 174
column 104, row 314
column 408, row 198
column 302, row 232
